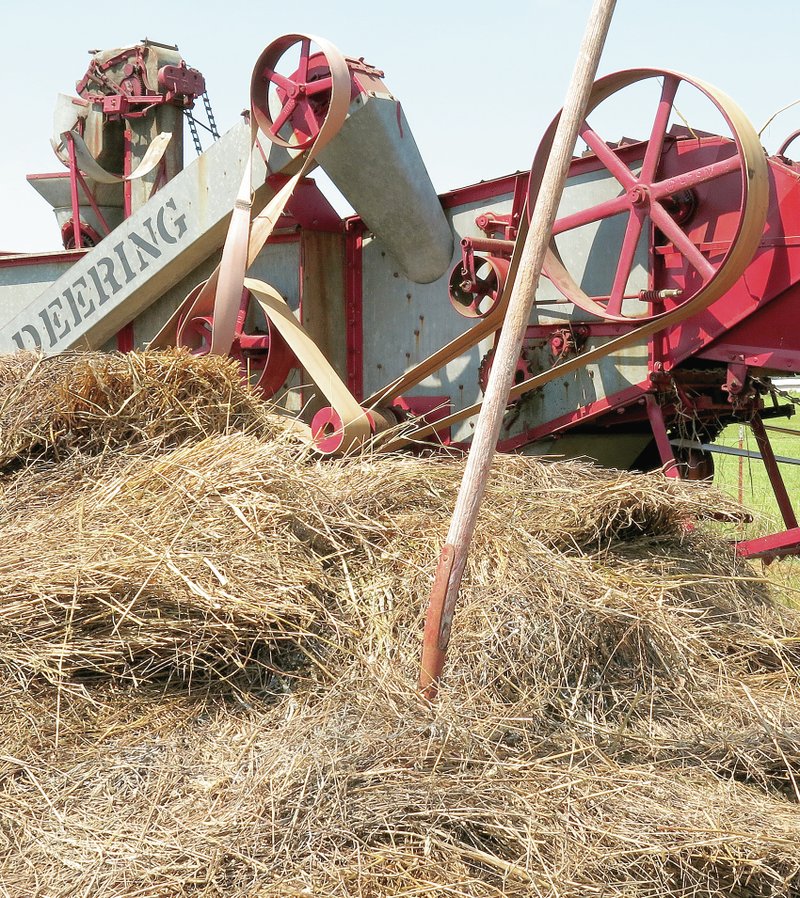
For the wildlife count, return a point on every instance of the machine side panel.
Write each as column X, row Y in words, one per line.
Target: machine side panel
column 149, row 253
column 404, row 322
column 23, row 278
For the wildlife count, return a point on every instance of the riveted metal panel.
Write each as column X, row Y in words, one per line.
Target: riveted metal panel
column 405, row 322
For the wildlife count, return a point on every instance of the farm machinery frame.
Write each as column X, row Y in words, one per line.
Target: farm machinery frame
column 666, row 308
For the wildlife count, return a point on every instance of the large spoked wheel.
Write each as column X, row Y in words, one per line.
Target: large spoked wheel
column 293, row 89
column 660, row 198
column 265, row 358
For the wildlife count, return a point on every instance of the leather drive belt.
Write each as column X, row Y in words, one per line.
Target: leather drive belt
column 219, row 298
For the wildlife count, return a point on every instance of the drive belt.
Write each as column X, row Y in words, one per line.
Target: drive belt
column 219, row 298
column 92, row 168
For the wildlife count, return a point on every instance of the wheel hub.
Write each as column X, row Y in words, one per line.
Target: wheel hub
column 639, row 195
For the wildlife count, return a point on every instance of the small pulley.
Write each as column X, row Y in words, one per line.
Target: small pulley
column 476, row 284
column 292, row 91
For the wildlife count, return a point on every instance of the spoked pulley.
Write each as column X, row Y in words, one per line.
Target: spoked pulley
column 670, row 196
column 264, row 357
column 293, row 89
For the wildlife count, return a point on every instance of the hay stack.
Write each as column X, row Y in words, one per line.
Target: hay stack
column 93, row 401
column 207, row 656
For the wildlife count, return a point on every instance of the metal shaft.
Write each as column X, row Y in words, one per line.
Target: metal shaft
column 441, row 607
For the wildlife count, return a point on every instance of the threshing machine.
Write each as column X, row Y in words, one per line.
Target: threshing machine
column 664, row 311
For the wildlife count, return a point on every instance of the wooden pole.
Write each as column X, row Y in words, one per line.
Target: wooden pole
column 453, row 559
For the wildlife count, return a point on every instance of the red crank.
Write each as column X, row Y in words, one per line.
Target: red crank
column 264, row 357
column 663, row 201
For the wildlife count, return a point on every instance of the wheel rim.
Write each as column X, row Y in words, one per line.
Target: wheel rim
column 265, row 359
column 304, row 98
column 645, row 197
column 478, row 298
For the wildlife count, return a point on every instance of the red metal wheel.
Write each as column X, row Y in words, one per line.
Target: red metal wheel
column 265, row 358
column 476, row 294
column 659, row 202
column 299, row 101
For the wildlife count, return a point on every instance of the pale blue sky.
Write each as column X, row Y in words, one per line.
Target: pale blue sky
column 478, row 81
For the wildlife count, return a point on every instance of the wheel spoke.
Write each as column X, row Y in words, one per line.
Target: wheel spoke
column 276, row 78
column 656, row 143
column 692, row 178
column 681, row 241
column 307, row 117
column 305, row 52
column 627, row 252
column 486, row 287
column 316, row 87
column 283, row 115
column 606, row 209
column 607, row 156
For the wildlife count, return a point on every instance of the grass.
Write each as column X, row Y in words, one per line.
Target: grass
column 746, row 479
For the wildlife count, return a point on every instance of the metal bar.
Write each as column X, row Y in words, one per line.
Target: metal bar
column 659, row 428
column 732, row 450
column 768, row 548
column 488, row 245
column 353, row 299
column 775, row 477
column 125, row 335
column 776, row 429
column 661, row 189
column 93, row 203
column 615, row 206
column 73, row 190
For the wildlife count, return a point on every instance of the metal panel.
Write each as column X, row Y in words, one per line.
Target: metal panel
column 406, row 322
column 150, row 252
column 23, row 278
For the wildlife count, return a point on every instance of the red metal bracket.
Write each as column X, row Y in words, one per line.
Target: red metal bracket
column 659, row 427
column 769, row 548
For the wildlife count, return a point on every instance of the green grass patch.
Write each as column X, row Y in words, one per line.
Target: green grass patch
column 746, row 478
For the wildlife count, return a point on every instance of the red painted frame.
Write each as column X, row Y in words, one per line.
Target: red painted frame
column 354, row 302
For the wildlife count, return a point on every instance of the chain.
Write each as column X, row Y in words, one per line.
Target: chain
column 210, row 116
column 777, row 391
column 193, row 128
column 211, row 127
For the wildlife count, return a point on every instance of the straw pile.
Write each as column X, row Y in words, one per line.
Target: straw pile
column 92, row 401
column 208, row 647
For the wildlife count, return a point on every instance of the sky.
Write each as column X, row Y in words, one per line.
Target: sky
column 478, row 85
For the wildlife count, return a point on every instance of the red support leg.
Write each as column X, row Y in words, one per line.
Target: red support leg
column 73, row 186
column 659, row 427
column 773, row 471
